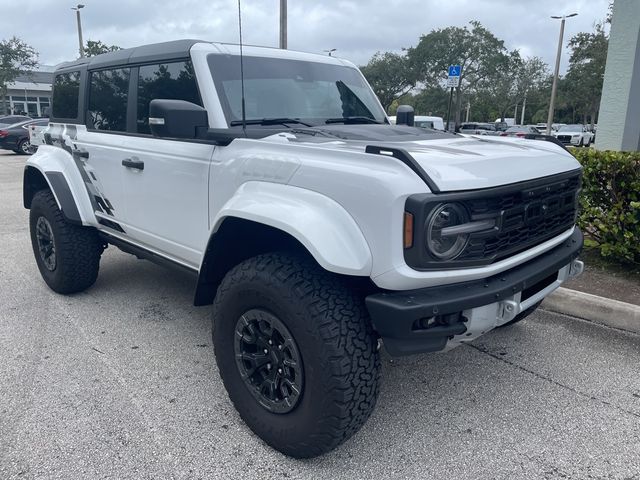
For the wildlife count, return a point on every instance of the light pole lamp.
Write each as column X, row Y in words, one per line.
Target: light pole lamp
column 80, row 42
column 554, row 87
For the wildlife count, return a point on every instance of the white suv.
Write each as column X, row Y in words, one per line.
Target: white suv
column 315, row 228
column 576, row 135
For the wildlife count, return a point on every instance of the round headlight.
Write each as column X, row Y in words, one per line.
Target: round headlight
column 442, row 242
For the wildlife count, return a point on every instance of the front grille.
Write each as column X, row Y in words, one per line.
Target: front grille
column 525, row 218
column 526, row 214
column 564, row 138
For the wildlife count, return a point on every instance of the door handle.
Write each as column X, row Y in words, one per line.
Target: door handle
column 133, row 163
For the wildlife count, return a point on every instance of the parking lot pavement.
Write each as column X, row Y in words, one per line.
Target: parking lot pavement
column 120, row 382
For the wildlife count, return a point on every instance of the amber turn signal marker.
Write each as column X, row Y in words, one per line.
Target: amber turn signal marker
column 408, row 230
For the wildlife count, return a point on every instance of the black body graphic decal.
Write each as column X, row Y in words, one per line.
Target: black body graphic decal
column 63, row 136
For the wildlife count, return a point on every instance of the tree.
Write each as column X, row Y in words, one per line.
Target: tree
column 16, row 58
column 389, row 75
column 501, row 85
column 476, row 49
column 586, row 71
column 94, row 48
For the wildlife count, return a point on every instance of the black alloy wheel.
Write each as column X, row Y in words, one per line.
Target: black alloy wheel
column 46, row 243
column 269, row 361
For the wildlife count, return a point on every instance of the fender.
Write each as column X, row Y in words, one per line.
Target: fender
column 64, row 179
column 319, row 223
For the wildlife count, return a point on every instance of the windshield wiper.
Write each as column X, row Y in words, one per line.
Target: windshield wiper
column 269, row 121
column 352, row 120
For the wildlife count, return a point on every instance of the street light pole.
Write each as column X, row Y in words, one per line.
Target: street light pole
column 554, row 87
column 80, row 42
column 283, row 24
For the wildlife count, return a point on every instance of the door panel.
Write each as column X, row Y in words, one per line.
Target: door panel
column 167, row 200
column 102, row 172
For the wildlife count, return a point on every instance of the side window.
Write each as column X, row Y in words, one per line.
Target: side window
column 174, row 81
column 108, row 93
column 66, row 91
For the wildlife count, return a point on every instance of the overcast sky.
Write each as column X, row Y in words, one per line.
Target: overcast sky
column 357, row 29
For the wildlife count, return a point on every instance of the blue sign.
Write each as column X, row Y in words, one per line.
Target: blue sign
column 454, row 70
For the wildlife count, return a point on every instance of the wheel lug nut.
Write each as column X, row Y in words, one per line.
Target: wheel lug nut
column 279, row 370
column 266, row 351
column 279, row 347
column 268, row 366
column 270, row 342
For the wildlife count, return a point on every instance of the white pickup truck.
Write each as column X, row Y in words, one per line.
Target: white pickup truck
column 317, row 230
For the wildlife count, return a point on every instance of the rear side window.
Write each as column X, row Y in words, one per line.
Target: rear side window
column 66, row 91
column 108, row 94
column 174, row 81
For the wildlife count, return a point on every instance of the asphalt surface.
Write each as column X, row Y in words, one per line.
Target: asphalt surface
column 120, row 382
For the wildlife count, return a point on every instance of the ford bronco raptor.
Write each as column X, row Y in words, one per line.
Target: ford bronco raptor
column 317, row 230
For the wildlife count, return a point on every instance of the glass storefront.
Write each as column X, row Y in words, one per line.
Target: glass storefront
column 26, row 105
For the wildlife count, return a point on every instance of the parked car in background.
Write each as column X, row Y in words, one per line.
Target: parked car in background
column 478, row 128
column 509, row 121
column 576, row 134
column 16, row 137
column 427, row 121
column 424, row 121
column 13, row 119
column 520, row 131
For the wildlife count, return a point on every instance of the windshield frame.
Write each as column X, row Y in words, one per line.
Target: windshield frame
column 351, row 76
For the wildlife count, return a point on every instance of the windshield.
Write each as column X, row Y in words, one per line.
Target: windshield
column 277, row 88
column 571, row 128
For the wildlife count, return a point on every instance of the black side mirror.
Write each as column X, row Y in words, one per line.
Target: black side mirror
column 176, row 118
column 405, row 115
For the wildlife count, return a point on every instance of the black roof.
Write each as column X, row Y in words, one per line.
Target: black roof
column 145, row 53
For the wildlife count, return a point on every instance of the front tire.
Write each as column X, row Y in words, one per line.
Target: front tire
column 67, row 255
column 296, row 352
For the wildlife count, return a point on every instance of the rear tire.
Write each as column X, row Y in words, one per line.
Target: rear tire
column 67, row 255
column 325, row 328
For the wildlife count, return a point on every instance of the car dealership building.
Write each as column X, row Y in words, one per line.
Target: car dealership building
column 29, row 94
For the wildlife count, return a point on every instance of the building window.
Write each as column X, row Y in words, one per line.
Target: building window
column 66, row 90
column 174, row 81
column 108, row 93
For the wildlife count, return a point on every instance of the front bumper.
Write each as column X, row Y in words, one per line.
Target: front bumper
column 567, row 140
column 439, row 318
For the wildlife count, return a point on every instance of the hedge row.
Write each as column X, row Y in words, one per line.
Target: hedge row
column 610, row 203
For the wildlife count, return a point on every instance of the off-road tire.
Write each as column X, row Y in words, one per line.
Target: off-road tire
column 522, row 315
column 333, row 333
column 77, row 248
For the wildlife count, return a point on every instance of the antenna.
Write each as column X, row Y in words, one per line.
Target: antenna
column 244, row 115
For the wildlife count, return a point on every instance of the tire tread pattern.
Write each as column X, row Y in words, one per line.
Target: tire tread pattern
column 339, row 319
column 78, row 248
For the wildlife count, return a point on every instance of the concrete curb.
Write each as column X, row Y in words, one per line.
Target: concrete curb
column 604, row 311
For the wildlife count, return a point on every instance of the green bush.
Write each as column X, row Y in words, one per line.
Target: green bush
column 610, row 203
